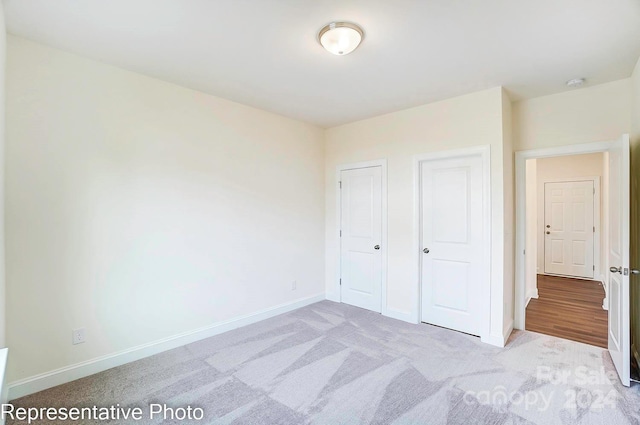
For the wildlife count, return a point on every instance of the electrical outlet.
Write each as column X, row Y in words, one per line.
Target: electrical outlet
column 294, row 285
column 78, row 336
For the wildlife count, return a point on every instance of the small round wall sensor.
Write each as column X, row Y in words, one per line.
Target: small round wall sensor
column 576, row 82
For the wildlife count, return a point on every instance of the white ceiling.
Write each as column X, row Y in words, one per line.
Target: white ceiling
column 264, row 53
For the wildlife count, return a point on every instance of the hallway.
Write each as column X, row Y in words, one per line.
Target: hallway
column 569, row 308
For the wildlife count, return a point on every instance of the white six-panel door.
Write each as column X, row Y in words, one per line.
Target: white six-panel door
column 618, row 282
column 451, row 227
column 569, row 228
column 361, row 237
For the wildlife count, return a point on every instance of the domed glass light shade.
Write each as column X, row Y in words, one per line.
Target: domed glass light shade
column 340, row 38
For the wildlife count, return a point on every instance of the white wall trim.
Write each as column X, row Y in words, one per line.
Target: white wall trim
column 399, row 315
column 4, row 390
column 520, row 164
column 336, row 294
column 605, row 301
column 499, row 340
column 485, row 153
column 70, row 373
column 333, row 296
column 507, row 333
column 531, row 295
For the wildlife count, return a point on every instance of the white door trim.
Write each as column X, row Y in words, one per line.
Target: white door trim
column 485, row 153
column 597, row 206
column 383, row 245
column 520, row 164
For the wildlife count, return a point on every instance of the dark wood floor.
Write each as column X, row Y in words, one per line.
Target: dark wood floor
column 569, row 308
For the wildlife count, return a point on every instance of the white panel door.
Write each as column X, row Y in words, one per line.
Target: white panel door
column 361, row 238
column 569, row 228
column 452, row 242
column 618, row 282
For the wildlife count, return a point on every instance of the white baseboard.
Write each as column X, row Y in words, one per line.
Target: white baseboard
column 332, row 296
column 493, row 339
column 605, row 301
column 506, row 333
column 4, row 394
column 399, row 315
column 70, row 373
column 499, row 340
column 592, row 279
column 530, row 296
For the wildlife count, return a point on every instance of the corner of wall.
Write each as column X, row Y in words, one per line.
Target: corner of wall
column 509, row 210
column 3, row 58
column 4, row 352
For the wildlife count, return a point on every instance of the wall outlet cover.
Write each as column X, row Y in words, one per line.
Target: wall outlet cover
column 78, row 336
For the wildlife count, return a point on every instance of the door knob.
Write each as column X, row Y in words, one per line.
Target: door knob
column 376, row 247
column 635, row 271
column 548, row 233
column 615, row 270
column 426, row 250
column 548, row 226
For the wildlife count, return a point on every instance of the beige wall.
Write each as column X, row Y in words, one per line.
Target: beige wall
column 635, row 209
column 591, row 114
column 567, row 167
column 471, row 120
column 3, row 49
column 130, row 199
column 139, row 209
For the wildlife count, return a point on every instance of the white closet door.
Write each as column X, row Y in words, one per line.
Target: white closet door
column 452, row 242
column 361, row 237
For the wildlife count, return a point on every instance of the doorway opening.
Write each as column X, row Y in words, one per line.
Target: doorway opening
column 615, row 222
column 566, row 252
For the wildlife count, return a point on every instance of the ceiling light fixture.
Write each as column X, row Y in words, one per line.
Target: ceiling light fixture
column 340, row 38
column 576, row 82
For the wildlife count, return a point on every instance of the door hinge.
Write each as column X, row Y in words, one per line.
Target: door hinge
column 340, row 184
column 524, row 252
column 594, row 229
column 594, row 190
column 340, row 233
column 340, row 282
column 594, row 267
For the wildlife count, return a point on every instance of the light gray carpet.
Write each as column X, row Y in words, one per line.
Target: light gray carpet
column 330, row 363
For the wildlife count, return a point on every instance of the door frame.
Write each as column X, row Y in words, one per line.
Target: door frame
column 597, row 223
column 383, row 243
column 484, row 152
column 521, row 158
